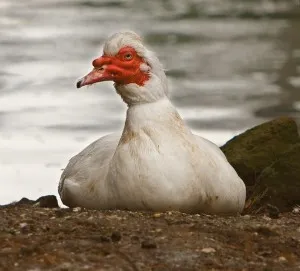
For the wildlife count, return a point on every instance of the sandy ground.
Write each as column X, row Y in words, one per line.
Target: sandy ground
column 35, row 238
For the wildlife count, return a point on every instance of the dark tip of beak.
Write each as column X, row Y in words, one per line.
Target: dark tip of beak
column 78, row 84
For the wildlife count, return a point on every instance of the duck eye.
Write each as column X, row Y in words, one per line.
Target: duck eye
column 128, row 56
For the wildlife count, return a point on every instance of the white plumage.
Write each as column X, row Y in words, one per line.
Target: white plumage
column 156, row 163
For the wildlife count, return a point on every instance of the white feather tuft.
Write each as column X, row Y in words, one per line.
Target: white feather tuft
column 144, row 67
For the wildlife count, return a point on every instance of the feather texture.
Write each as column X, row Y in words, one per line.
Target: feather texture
column 156, row 163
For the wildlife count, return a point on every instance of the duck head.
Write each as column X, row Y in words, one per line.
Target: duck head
column 136, row 71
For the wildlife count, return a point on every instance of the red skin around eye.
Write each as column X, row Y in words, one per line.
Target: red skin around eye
column 124, row 71
column 117, row 68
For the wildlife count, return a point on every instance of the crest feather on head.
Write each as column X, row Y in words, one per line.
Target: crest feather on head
column 121, row 39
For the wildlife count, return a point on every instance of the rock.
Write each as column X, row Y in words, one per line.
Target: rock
column 267, row 218
column 44, row 201
column 279, row 183
column 267, row 158
column 296, row 209
column 22, row 201
column 208, row 250
column 257, row 148
column 273, row 211
column 24, row 227
column 77, row 209
column 148, row 244
column 47, row 202
column 25, row 201
column 116, row 236
column 266, row 231
column 282, row 259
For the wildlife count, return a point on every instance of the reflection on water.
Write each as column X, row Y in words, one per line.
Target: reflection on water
column 231, row 64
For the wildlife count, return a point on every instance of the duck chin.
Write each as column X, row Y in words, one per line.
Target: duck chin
column 133, row 94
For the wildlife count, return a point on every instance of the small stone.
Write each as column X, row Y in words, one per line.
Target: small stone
column 267, row 218
column 45, row 228
column 247, row 217
column 273, row 211
column 296, row 209
column 208, row 250
column 116, row 236
column 282, row 259
column 24, row 228
column 77, row 209
column 148, row 244
column 23, row 225
column 266, row 231
column 156, row 215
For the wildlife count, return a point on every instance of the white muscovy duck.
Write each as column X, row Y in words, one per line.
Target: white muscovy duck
column 156, row 163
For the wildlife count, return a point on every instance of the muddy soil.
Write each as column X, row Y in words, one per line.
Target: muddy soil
column 35, row 238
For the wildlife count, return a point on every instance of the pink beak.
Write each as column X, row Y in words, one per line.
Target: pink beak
column 98, row 74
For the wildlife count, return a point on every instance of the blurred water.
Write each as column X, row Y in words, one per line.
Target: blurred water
column 231, row 65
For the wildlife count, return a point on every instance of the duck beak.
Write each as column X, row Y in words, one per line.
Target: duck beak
column 98, row 74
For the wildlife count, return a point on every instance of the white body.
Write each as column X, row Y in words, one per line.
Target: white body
column 155, row 164
column 158, row 164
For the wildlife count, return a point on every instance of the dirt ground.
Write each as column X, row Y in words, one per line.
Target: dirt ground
column 35, row 238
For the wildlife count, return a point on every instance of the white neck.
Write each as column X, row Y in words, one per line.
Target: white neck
column 133, row 94
column 140, row 115
column 160, row 115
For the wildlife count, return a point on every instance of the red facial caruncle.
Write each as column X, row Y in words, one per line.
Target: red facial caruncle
column 122, row 68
